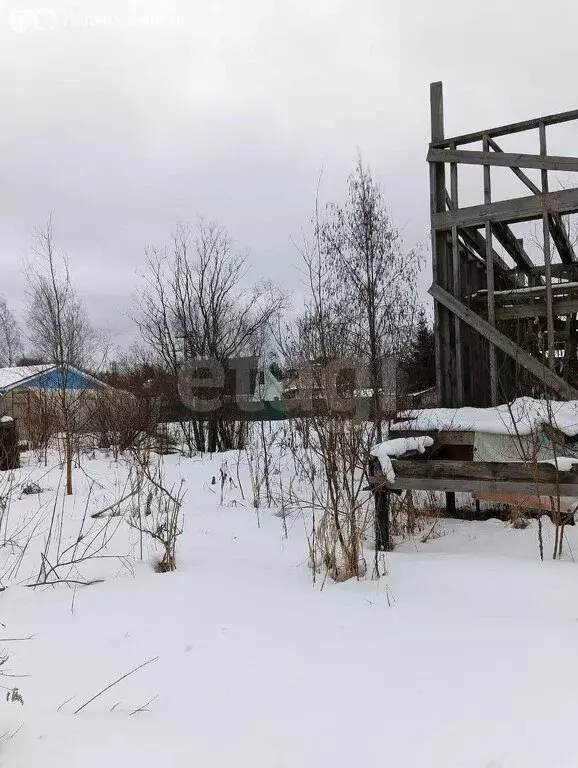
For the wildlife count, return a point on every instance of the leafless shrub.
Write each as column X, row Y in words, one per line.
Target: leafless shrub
column 124, row 421
column 259, row 453
column 156, row 511
column 518, row 520
column 360, row 306
column 31, row 489
column 63, row 555
column 331, row 483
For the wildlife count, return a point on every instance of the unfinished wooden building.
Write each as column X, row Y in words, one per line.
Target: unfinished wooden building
column 505, row 318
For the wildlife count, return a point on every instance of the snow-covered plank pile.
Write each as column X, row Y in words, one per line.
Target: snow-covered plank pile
column 512, row 432
column 524, row 416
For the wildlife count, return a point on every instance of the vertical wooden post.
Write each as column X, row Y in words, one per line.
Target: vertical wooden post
column 439, row 248
column 459, row 389
column 381, row 517
column 446, row 377
column 547, row 258
column 382, row 542
column 490, row 278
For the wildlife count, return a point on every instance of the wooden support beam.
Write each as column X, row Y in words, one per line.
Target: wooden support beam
column 505, row 130
column 512, row 245
column 557, row 229
column 561, row 308
column 456, row 263
column 561, row 239
column 506, row 471
column 480, row 477
column 381, row 524
column 520, row 174
column 501, row 341
column 476, row 241
column 567, row 271
column 537, row 291
column 452, row 485
column 547, row 255
column 440, row 258
column 509, row 211
column 491, row 307
column 503, row 159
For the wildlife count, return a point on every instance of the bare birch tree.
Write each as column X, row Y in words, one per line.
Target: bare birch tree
column 58, row 327
column 377, row 277
column 360, row 305
column 10, row 340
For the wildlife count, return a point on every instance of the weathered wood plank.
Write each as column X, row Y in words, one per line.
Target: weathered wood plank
column 566, row 270
column 512, row 245
column 520, row 174
column 491, row 306
column 504, row 159
column 501, row 341
column 560, row 308
column 505, row 130
column 561, row 239
column 476, row 241
column 483, row 470
column 450, row 484
column 510, row 211
column 547, row 255
column 456, row 264
column 557, row 229
column 481, row 477
column 530, row 292
column 439, row 245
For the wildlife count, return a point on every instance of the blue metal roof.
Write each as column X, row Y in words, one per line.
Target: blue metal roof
column 55, row 379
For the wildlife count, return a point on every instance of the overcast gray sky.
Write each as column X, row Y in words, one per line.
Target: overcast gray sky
column 122, row 118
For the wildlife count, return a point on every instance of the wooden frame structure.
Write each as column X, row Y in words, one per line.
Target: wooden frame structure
column 448, row 466
column 501, row 330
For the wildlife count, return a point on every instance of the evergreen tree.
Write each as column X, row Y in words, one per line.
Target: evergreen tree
column 421, row 363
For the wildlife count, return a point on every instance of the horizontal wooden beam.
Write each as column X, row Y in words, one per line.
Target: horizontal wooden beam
column 541, row 372
column 557, row 229
column 504, row 159
column 568, row 271
column 511, row 471
column 505, row 130
column 480, row 477
column 527, row 293
column 449, row 484
column 509, row 211
column 559, row 309
column 477, row 243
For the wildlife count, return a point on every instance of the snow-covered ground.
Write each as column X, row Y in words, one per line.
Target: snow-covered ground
column 464, row 654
